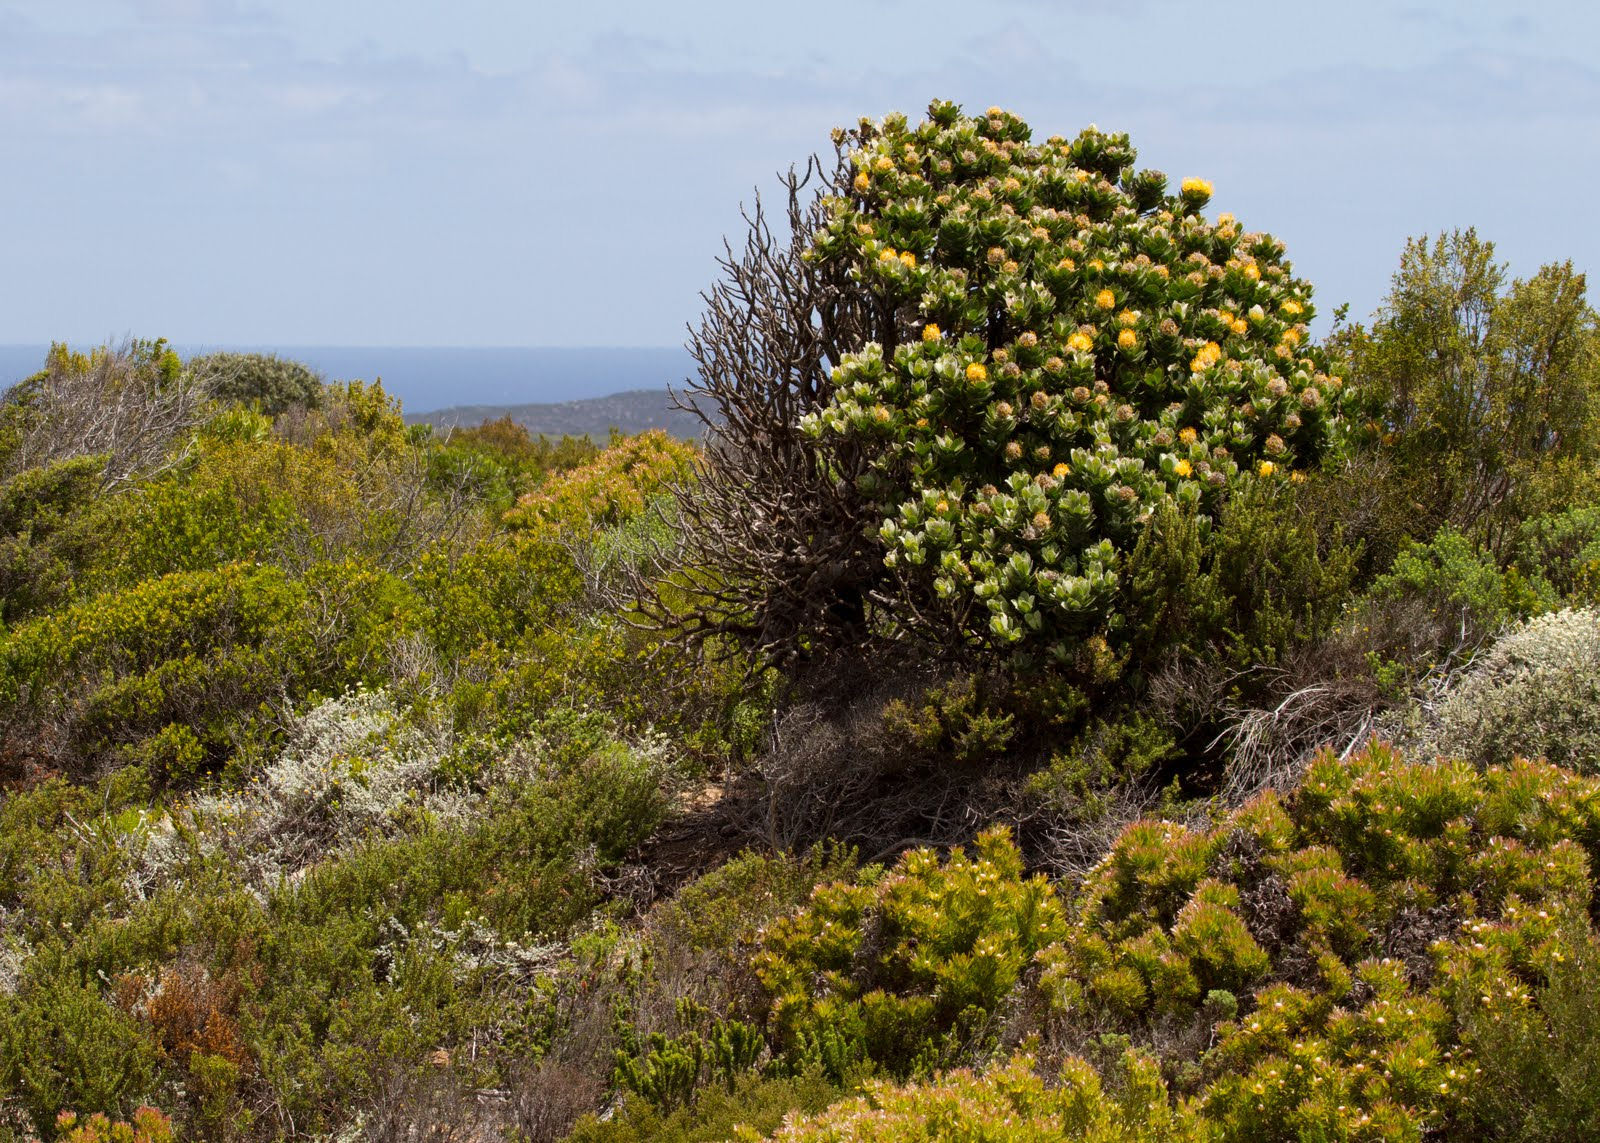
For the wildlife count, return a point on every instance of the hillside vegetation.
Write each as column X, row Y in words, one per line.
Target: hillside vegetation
column 1056, row 698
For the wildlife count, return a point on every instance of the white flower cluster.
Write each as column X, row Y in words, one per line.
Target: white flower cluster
column 352, row 764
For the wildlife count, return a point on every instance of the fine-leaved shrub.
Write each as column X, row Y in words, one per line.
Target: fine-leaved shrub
column 1535, row 693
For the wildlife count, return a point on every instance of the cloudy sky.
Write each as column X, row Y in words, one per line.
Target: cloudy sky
column 489, row 172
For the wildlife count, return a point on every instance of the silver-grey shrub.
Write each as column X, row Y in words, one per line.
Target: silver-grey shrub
column 1535, row 693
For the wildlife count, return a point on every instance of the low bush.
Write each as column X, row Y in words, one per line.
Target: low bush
column 1534, row 693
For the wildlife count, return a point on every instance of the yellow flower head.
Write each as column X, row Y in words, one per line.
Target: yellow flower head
column 880, row 414
column 1291, row 337
column 1266, row 468
column 1127, row 339
column 1225, row 219
column 1061, row 470
column 977, row 371
column 908, row 259
column 1239, row 325
column 1105, row 299
column 930, row 332
column 884, row 163
column 1096, row 265
column 942, row 506
column 1187, row 436
column 1066, row 264
column 1210, row 353
column 1293, row 308
column 1183, row 468
column 888, row 254
column 1080, row 342
column 995, row 113
column 1128, row 317
column 1252, row 271
column 1010, row 184
column 1009, row 267
column 863, row 181
column 1195, row 188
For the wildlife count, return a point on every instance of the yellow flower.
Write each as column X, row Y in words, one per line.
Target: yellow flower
column 863, row 181
column 1252, row 271
column 942, row 506
column 1183, row 468
column 887, row 254
column 1266, row 468
column 880, row 414
column 922, row 422
column 995, row 113
column 1061, row 470
column 1105, row 299
column 1297, row 476
column 1128, row 317
column 1010, row 184
column 1187, row 436
column 930, row 332
column 1080, row 342
column 1226, row 219
column 1008, row 267
column 1291, row 337
column 1127, row 339
column 1195, row 188
column 884, row 163
column 1293, row 307
column 908, row 259
column 1066, row 264
column 977, row 371
column 1210, row 353
column 1096, row 265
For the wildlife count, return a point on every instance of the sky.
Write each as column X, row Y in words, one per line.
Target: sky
column 490, row 173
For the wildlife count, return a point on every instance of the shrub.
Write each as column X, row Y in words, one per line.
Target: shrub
column 262, row 380
column 1079, row 347
column 1011, row 1104
column 1535, row 693
column 1349, row 924
column 1004, row 355
column 907, row 971
column 129, row 405
column 148, row 1126
column 1537, row 1062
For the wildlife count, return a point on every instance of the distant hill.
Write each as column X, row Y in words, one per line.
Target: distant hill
column 631, row 412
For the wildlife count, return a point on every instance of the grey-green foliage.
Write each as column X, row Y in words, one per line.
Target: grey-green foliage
column 1535, row 693
column 271, row 383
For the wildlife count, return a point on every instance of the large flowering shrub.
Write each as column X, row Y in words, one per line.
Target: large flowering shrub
column 1074, row 344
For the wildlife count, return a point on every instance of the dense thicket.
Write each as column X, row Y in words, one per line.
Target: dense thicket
column 362, row 782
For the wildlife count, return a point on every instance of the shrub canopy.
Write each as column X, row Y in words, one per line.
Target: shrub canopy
column 1063, row 345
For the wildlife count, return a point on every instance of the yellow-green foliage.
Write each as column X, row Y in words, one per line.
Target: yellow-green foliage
column 612, row 489
column 1351, row 919
column 1007, row 1105
column 188, row 659
column 1087, row 347
column 904, row 970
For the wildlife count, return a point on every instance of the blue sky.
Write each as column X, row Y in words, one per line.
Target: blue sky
column 493, row 173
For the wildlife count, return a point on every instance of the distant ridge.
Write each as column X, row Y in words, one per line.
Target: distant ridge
column 630, row 412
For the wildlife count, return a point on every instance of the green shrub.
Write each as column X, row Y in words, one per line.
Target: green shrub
column 1465, row 593
column 1011, row 1104
column 1349, row 924
column 754, row 1103
column 1077, row 348
column 907, row 971
column 1535, row 1064
column 1535, row 693
column 261, row 380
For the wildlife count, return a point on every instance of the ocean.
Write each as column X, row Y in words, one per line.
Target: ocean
column 436, row 378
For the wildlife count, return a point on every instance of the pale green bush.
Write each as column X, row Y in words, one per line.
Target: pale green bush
column 1535, row 693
